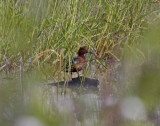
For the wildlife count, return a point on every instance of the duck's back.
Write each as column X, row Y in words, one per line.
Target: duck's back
column 78, row 64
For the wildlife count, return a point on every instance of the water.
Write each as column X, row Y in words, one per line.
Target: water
column 30, row 101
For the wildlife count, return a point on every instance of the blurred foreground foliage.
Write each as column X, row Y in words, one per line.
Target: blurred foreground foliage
column 47, row 32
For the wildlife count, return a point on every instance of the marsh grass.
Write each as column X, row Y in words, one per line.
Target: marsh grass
column 37, row 39
column 45, row 35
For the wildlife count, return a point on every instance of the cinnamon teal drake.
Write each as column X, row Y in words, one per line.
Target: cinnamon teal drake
column 79, row 62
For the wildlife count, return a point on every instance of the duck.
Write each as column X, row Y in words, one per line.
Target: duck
column 80, row 61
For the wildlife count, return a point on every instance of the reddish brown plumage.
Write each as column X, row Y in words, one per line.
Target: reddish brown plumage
column 78, row 62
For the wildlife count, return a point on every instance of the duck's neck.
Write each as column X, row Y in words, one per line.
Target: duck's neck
column 82, row 56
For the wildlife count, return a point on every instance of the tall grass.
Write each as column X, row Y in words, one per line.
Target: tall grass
column 42, row 34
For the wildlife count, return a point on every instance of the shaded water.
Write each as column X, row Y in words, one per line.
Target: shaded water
column 30, row 101
column 30, row 98
column 70, row 106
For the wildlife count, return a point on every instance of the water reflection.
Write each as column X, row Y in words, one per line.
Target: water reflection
column 82, row 104
column 111, row 102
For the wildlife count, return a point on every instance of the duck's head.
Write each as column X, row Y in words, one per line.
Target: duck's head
column 83, row 50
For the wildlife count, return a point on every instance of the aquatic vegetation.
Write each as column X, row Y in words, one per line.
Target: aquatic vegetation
column 39, row 37
column 42, row 34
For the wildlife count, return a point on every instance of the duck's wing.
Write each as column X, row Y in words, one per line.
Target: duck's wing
column 75, row 60
column 78, row 64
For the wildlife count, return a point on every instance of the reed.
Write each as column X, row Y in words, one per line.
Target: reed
column 42, row 34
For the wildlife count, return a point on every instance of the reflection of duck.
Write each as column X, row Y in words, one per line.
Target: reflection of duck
column 78, row 62
column 77, row 82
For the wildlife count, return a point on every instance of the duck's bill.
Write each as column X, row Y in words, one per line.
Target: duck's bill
column 91, row 52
